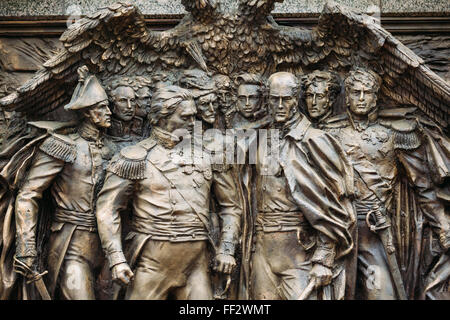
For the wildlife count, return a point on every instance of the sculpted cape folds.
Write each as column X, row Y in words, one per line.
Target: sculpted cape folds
column 111, row 194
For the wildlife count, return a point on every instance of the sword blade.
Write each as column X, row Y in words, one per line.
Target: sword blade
column 40, row 286
column 393, row 265
column 309, row 288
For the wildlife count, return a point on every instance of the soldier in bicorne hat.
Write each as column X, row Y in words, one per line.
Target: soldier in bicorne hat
column 72, row 167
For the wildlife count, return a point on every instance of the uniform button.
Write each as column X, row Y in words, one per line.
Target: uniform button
column 279, row 189
column 264, row 188
column 174, row 202
column 265, row 169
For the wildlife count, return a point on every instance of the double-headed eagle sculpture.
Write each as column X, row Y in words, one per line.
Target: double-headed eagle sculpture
column 115, row 41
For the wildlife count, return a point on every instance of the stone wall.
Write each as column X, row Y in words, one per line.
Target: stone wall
column 171, row 7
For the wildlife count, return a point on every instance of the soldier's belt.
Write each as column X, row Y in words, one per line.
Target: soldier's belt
column 174, row 231
column 85, row 220
column 279, row 221
column 364, row 207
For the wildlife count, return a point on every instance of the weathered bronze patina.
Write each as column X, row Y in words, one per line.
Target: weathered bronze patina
column 228, row 157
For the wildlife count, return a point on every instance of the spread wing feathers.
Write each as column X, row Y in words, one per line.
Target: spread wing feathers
column 201, row 10
column 406, row 78
column 254, row 10
column 345, row 38
column 111, row 41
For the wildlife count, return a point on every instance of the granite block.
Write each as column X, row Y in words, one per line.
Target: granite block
column 425, row 6
column 174, row 7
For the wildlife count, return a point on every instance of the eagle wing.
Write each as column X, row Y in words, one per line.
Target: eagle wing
column 344, row 38
column 112, row 41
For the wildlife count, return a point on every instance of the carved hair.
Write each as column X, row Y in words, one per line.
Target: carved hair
column 250, row 78
column 365, row 76
column 222, row 82
column 119, row 82
column 295, row 83
column 331, row 79
column 139, row 82
column 165, row 102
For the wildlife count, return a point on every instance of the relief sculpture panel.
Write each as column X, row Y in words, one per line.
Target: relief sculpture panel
column 228, row 157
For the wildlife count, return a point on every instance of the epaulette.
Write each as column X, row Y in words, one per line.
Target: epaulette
column 53, row 126
column 335, row 122
column 396, row 113
column 60, row 147
column 406, row 135
column 129, row 163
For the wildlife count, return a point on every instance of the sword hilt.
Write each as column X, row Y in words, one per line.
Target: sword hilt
column 381, row 223
column 30, row 274
column 36, row 276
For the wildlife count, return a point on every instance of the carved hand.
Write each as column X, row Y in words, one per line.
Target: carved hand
column 224, row 263
column 322, row 275
column 122, row 274
column 29, row 264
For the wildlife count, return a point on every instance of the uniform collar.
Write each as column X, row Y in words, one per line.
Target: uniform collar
column 119, row 128
column 298, row 128
column 164, row 138
column 362, row 125
column 325, row 117
column 90, row 132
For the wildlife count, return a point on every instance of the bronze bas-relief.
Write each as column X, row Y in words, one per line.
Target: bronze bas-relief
column 72, row 167
column 350, row 202
column 297, row 242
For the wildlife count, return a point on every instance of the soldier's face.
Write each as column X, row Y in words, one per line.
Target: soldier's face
column 361, row 98
column 207, row 108
column 225, row 98
column 249, row 100
column 182, row 118
column 317, row 99
column 124, row 103
column 100, row 115
column 143, row 96
column 282, row 101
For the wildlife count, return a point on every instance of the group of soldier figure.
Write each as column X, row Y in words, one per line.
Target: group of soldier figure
column 313, row 220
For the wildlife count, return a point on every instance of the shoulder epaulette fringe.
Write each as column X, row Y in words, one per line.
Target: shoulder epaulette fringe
column 406, row 135
column 129, row 163
column 127, row 169
column 59, row 149
column 406, row 140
